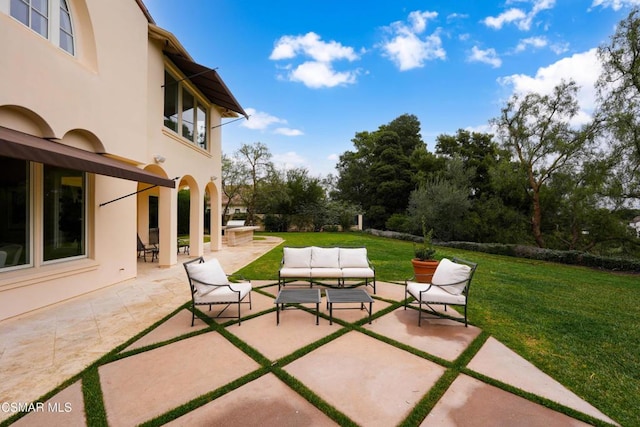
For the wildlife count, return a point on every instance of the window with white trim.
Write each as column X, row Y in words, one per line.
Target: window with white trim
column 184, row 112
column 49, row 18
column 55, row 201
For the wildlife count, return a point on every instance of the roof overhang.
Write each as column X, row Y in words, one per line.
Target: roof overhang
column 208, row 82
column 205, row 79
column 23, row 146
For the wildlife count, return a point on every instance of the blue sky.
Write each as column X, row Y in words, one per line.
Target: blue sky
column 312, row 74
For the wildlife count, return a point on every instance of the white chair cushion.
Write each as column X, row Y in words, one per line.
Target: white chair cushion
column 224, row 294
column 325, row 257
column 434, row 295
column 207, row 273
column 326, row 272
column 297, row 257
column 295, row 272
column 449, row 272
column 357, row 273
column 353, row 258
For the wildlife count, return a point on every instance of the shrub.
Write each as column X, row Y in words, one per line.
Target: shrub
column 276, row 223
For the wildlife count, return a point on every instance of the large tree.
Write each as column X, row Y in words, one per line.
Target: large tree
column 479, row 154
column 619, row 95
column 538, row 130
column 257, row 159
column 379, row 175
column 234, row 179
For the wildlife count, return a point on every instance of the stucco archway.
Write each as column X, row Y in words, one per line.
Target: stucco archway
column 157, row 217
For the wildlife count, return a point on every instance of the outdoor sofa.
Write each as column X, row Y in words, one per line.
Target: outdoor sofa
column 314, row 263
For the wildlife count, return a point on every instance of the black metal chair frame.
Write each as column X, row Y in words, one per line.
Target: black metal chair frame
column 143, row 250
column 239, row 301
column 426, row 302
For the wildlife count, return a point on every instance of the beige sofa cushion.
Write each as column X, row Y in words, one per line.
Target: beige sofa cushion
column 325, row 257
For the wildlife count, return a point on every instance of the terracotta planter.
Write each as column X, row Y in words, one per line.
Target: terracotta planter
column 423, row 270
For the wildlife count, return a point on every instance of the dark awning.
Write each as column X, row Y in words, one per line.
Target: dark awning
column 208, row 82
column 23, row 146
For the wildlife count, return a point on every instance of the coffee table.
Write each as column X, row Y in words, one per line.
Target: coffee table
column 339, row 296
column 297, row 296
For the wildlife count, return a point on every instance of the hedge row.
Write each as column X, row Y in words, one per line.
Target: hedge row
column 531, row 252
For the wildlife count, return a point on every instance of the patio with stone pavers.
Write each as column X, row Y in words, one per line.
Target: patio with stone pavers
column 219, row 372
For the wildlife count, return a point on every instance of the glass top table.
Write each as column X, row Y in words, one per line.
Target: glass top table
column 339, row 296
column 297, row 296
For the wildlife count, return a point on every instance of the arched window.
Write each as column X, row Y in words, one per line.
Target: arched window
column 49, row 18
column 66, row 30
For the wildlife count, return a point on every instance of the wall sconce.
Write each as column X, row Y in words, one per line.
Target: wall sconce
column 158, row 158
column 213, row 178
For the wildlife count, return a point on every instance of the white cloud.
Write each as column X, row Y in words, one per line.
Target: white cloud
column 310, row 44
column 316, row 75
column 333, row 157
column 484, row 128
column 319, row 71
column 517, row 16
column 559, row 48
column 418, row 20
column 288, row 132
column 289, row 160
column 454, row 16
column 507, row 17
column 584, row 68
column 407, row 48
column 535, row 42
column 615, row 4
column 487, row 56
column 259, row 120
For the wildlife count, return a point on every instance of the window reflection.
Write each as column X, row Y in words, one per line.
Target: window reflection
column 201, row 128
column 14, row 215
column 63, row 213
column 187, row 114
column 170, row 102
column 184, row 112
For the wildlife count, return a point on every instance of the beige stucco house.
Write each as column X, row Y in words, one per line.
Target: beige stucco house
column 98, row 104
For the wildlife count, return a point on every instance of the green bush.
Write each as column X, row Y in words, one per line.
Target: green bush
column 552, row 255
column 398, row 222
column 276, row 223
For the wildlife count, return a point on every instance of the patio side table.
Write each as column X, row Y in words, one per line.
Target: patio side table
column 297, row 296
column 339, row 296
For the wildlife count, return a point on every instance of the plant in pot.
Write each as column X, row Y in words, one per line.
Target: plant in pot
column 424, row 263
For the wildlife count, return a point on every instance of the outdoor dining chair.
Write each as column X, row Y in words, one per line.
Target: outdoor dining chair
column 449, row 286
column 143, row 250
column 210, row 285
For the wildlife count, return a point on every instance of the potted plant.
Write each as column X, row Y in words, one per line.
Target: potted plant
column 424, row 263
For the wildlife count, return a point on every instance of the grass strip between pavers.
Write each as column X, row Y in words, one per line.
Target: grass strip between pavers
column 204, row 399
column 95, row 413
column 431, row 398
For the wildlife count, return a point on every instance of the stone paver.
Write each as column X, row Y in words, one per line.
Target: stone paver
column 143, row 386
column 297, row 329
column 63, row 409
column 443, row 338
column 373, row 383
column 497, row 361
column 472, row 403
column 265, row 402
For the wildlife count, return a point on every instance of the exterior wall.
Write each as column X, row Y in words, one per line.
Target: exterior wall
column 193, row 166
column 108, row 98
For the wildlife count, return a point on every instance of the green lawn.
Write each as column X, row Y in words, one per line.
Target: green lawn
column 579, row 325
